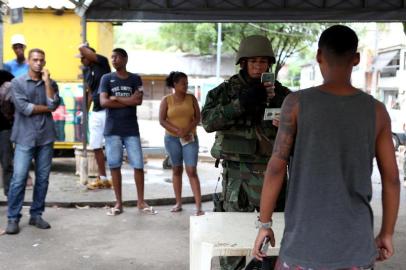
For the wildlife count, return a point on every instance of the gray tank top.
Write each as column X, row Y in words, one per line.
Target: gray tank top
column 329, row 221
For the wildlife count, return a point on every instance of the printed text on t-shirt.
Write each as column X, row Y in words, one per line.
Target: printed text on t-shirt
column 121, row 91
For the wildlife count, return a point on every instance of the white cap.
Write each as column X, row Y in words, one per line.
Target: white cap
column 18, row 39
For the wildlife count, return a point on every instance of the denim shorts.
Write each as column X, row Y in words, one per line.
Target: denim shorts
column 114, row 151
column 178, row 153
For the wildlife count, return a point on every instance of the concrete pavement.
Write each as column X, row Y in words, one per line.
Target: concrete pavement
column 85, row 238
column 66, row 191
column 88, row 239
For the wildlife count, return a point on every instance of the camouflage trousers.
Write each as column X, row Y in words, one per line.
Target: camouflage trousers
column 242, row 186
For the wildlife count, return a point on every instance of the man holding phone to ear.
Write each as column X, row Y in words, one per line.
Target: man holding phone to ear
column 244, row 135
column 35, row 96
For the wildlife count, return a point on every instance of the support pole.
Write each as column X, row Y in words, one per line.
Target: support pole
column 219, row 43
column 83, row 159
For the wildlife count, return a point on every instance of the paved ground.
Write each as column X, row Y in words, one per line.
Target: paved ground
column 85, row 238
column 88, row 239
column 66, row 191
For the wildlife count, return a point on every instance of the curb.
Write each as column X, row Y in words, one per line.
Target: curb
column 152, row 202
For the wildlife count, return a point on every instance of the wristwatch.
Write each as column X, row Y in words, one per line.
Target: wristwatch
column 263, row 225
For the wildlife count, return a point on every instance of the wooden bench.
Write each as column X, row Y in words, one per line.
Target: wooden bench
column 227, row 234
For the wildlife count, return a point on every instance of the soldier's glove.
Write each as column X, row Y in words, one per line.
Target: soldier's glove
column 252, row 97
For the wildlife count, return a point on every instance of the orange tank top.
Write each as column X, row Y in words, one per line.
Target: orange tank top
column 180, row 114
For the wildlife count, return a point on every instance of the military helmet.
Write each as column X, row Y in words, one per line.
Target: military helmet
column 255, row 45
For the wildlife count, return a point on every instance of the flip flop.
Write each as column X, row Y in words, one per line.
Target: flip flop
column 176, row 208
column 114, row 211
column 199, row 213
column 148, row 210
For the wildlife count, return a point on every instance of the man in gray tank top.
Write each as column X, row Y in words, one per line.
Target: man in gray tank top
column 329, row 135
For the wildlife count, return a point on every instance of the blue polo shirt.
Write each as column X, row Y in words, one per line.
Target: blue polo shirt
column 15, row 68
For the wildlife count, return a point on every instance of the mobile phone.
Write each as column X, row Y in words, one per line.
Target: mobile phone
column 265, row 245
column 272, row 113
column 268, row 77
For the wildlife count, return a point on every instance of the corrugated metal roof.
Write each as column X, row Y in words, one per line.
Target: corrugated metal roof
column 243, row 10
column 42, row 4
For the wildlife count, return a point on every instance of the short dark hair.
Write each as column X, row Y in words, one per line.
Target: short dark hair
column 174, row 77
column 35, row 50
column 121, row 52
column 5, row 76
column 339, row 41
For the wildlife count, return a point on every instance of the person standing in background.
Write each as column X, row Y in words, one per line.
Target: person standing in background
column 96, row 66
column 19, row 65
column 179, row 114
column 35, row 97
column 6, row 123
column 121, row 93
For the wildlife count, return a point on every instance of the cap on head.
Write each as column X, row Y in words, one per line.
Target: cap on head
column 18, row 39
column 254, row 46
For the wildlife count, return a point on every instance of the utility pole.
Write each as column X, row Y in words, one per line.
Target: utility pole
column 83, row 158
column 219, row 43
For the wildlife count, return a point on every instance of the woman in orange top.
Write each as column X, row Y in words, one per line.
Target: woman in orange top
column 179, row 114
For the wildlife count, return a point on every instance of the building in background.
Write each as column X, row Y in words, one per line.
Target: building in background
column 53, row 26
column 310, row 74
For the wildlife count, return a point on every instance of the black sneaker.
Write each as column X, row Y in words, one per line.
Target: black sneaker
column 38, row 222
column 12, row 226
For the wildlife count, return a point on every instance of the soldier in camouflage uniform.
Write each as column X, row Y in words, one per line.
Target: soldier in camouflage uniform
column 244, row 140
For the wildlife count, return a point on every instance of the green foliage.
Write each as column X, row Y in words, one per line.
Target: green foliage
column 287, row 38
column 205, row 38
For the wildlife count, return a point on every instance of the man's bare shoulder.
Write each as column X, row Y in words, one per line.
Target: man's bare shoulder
column 382, row 117
column 291, row 103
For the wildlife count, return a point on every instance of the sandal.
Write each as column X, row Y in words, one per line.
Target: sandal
column 199, row 213
column 114, row 211
column 176, row 208
column 148, row 210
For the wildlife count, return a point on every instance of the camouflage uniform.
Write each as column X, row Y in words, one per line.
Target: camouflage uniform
column 244, row 142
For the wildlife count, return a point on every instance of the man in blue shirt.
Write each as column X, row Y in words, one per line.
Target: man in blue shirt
column 18, row 66
column 35, row 96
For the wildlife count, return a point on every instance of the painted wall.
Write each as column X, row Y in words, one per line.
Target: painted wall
column 59, row 36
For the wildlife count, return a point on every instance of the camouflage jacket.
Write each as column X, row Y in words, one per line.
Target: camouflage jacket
column 241, row 135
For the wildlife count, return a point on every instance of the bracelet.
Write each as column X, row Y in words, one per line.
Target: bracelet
column 263, row 225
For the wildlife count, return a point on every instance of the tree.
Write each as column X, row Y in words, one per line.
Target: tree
column 287, row 38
